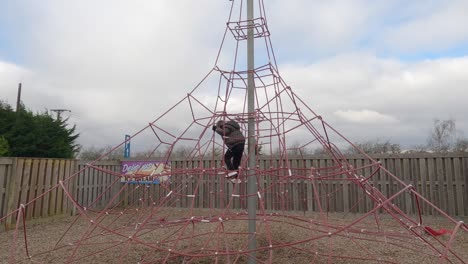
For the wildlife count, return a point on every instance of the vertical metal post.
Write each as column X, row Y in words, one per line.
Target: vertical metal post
column 252, row 181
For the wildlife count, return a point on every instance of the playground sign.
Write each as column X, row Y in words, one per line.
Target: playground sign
column 145, row 172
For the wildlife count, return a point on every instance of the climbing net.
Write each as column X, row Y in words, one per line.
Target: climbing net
column 328, row 209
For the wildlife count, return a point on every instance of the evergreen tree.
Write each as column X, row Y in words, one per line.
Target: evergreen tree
column 4, row 147
column 36, row 135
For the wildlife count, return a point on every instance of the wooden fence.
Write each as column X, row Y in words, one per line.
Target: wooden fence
column 94, row 188
column 443, row 180
column 27, row 180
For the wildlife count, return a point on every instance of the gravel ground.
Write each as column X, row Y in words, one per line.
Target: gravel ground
column 206, row 236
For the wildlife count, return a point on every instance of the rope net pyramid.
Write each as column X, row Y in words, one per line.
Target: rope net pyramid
column 196, row 215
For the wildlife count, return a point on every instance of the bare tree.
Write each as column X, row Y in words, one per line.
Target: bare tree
column 442, row 136
column 217, row 152
column 92, row 153
column 296, row 149
column 181, row 152
column 461, row 145
column 420, row 148
column 259, row 149
column 149, row 154
column 375, row 147
column 319, row 151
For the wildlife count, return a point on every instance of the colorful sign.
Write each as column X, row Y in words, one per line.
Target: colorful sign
column 145, row 172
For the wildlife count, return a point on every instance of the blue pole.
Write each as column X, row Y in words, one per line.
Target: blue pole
column 127, row 147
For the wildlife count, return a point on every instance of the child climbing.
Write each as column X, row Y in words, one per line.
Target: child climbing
column 235, row 141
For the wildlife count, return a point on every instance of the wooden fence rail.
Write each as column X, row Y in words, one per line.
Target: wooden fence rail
column 442, row 179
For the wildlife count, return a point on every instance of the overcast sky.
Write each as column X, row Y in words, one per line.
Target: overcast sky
column 374, row 69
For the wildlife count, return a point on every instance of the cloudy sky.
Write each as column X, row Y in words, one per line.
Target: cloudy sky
column 374, row 69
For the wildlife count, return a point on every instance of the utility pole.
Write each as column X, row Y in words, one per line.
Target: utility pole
column 18, row 99
column 18, row 105
column 59, row 112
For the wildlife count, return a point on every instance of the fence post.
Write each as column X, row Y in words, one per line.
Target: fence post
column 10, row 195
column 74, row 187
column 465, row 170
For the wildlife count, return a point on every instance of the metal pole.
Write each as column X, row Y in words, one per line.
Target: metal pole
column 252, row 181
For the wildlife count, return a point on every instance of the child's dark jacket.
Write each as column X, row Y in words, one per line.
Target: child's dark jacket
column 230, row 131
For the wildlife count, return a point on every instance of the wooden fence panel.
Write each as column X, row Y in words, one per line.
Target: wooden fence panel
column 33, row 188
column 451, row 192
column 60, row 190
column 443, row 180
column 95, row 188
column 47, row 186
column 28, row 182
column 11, row 199
column 23, row 183
column 465, row 182
column 6, row 170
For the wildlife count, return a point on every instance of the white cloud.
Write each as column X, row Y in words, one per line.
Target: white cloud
column 437, row 28
column 112, row 61
column 323, row 26
column 365, row 116
column 400, row 98
column 10, row 76
column 117, row 64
